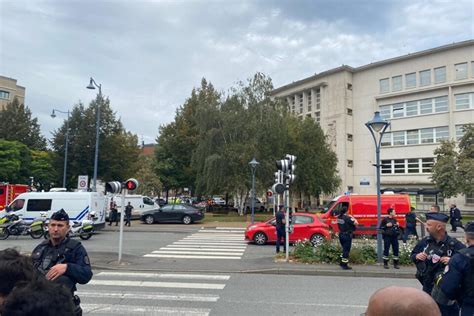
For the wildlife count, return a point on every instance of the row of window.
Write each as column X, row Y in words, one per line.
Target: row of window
column 416, row 136
column 425, row 77
column 462, row 101
column 4, row 95
column 407, row 166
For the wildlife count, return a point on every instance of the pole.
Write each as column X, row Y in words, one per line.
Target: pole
column 379, row 205
column 253, row 195
column 65, row 150
column 286, row 196
column 122, row 215
column 97, row 128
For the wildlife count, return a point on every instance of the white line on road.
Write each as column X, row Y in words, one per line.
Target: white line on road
column 210, row 286
column 208, row 243
column 166, row 275
column 193, row 245
column 205, row 249
column 230, row 228
column 189, row 257
column 220, row 253
column 217, row 236
column 151, row 296
column 214, row 239
column 142, row 310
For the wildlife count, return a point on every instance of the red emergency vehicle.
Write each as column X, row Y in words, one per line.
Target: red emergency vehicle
column 8, row 192
column 364, row 209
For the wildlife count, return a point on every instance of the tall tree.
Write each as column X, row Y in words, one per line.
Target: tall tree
column 42, row 170
column 444, row 173
column 149, row 182
column 466, row 161
column 19, row 125
column 15, row 159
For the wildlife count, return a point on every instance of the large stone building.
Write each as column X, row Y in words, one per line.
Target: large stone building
column 427, row 97
column 9, row 90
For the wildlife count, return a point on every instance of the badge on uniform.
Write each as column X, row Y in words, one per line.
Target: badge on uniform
column 446, row 269
column 86, row 260
column 435, row 258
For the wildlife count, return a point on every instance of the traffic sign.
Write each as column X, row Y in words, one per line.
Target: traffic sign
column 269, row 193
column 82, row 182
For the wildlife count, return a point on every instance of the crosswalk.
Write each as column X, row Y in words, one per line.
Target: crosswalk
column 224, row 243
column 137, row 293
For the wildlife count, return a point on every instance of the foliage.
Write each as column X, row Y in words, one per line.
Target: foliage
column 42, row 170
column 149, row 182
column 466, row 160
column 18, row 125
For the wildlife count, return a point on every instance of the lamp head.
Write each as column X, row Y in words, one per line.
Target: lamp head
column 91, row 85
column 377, row 123
column 254, row 163
column 53, row 115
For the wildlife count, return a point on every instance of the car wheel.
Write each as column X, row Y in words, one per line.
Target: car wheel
column 149, row 219
column 187, row 220
column 317, row 239
column 260, row 238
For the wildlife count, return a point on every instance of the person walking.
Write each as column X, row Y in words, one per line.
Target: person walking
column 410, row 229
column 62, row 259
column 113, row 215
column 128, row 214
column 347, row 225
column 455, row 218
column 390, row 230
column 280, row 228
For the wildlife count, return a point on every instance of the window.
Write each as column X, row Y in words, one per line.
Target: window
column 470, row 198
column 301, row 219
column 413, row 137
column 411, row 108
column 301, row 103
column 410, row 80
column 441, row 104
column 462, row 101
column 350, row 163
column 472, row 69
column 440, row 74
column 308, row 115
column 349, row 112
column 386, row 139
column 459, row 132
column 425, row 77
column 384, row 85
column 398, row 110
column 385, row 111
column 349, row 86
column 442, row 133
column 399, row 165
column 413, row 166
column 461, row 71
column 349, row 137
column 399, row 138
column 386, row 166
column 426, row 106
column 426, row 135
column 397, row 83
column 4, row 95
column 37, row 205
column 427, row 164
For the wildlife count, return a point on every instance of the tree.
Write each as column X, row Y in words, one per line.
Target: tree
column 42, row 170
column 149, row 182
column 466, row 161
column 445, row 169
column 18, row 125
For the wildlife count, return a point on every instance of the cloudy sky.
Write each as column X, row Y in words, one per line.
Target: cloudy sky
column 149, row 54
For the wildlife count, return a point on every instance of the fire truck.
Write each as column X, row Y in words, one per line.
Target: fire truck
column 8, row 192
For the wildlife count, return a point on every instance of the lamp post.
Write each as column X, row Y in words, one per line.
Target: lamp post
column 253, row 164
column 53, row 115
column 378, row 126
column 92, row 85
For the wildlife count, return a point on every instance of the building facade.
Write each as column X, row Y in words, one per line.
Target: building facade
column 427, row 97
column 9, row 90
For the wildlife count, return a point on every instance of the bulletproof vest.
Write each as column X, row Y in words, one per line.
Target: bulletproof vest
column 468, row 282
column 46, row 256
column 345, row 224
column 393, row 230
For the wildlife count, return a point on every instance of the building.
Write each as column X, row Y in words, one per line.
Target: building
column 427, row 97
column 147, row 150
column 9, row 90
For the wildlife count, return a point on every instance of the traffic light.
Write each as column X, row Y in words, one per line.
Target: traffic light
column 113, row 187
column 131, row 184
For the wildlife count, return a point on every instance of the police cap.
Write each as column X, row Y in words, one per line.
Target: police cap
column 435, row 216
column 60, row 215
column 469, row 228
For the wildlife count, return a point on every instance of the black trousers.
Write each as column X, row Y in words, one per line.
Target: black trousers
column 393, row 242
column 280, row 235
column 346, row 242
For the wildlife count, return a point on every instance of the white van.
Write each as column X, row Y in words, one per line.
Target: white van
column 78, row 205
column 140, row 203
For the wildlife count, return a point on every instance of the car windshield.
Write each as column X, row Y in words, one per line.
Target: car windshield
column 328, row 206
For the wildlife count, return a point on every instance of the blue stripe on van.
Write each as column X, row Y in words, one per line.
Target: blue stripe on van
column 81, row 214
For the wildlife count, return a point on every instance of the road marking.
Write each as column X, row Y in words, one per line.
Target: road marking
column 218, row 236
column 208, row 243
column 142, row 310
column 189, row 257
column 151, row 296
column 166, row 275
column 193, row 245
column 205, row 249
column 219, row 253
column 209, row 286
column 214, row 239
column 230, row 228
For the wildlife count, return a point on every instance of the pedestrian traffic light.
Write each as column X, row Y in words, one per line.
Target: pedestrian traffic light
column 278, row 188
column 131, row 184
column 113, row 187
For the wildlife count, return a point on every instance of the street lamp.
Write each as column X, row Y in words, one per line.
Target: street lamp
column 378, row 125
column 92, row 85
column 253, row 164
column 53, row 115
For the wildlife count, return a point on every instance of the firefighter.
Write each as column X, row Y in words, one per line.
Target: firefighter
column 347, row 225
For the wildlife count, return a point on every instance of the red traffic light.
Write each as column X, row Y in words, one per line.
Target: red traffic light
column 131, row 184
column 269, row 193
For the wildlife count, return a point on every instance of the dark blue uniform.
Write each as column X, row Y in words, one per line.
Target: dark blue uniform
column 390, row 238
column 280, row 230
column 346, row 228
column 410, row 228
column 457, row 281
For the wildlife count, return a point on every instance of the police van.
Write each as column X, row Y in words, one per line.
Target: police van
column 78, row 205
column 140, row 204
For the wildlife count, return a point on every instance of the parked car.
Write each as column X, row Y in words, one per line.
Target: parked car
column 258, row 206
column 180, row 213
column 218, row 200
column 306, row 226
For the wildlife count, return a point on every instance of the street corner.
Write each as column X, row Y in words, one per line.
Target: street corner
column 109, row 260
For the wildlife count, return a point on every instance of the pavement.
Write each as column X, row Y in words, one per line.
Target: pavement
column 265, row 264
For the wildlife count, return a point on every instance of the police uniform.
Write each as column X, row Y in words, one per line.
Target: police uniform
column 457, row 280
column 280, row 230
column 410, row 229
column 346, row 228
column 390, row 238
column 70, row 252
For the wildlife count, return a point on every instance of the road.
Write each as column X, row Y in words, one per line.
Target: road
column 128, row 293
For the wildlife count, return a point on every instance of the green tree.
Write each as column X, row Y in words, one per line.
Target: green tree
column 445, row 169
column 18, row 125
column 466, row 161
column 149, row 182
column 15, row 159
column 42, row 170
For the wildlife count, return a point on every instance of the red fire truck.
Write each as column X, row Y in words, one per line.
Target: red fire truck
column 8, row 192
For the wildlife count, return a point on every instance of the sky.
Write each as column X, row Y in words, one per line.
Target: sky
column 148, row 55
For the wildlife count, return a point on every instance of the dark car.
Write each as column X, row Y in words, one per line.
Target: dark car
column 180, row 213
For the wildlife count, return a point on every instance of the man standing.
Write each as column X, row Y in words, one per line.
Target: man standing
column 433, row 253
column 280, row 228
column 62, row 259
column 410, row 229
column 347, row 225
column 128, row 214
column 457, row 281
column 390, row 230
column 113, row 215
column 455, row 217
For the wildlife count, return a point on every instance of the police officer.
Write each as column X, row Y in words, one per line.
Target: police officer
column 410, row 229
column 347, row 225
column 280, row 228
column 62, row 259
column 457, row 280
column 390, row 230
column 455, row 218
column 433, row 253
column 128, row 214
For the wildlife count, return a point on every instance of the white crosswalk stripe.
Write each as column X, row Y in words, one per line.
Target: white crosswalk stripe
column 222, row 244
column 138, row 293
